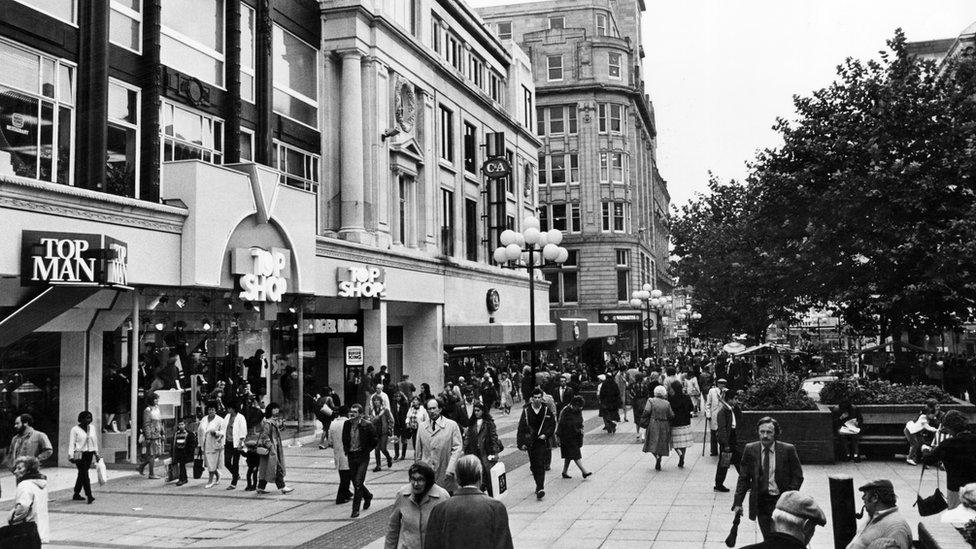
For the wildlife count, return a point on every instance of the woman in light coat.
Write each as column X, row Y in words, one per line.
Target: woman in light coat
column 505, row 393
column 210, row 437
column 30, row 503
column 408, row 523
column 657, row 417
column 272, row 453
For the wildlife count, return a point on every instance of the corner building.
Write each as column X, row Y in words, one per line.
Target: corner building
column 294, row 176
column 598, row 175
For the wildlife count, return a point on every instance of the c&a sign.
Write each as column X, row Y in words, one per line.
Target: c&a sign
column 262, row 275
column 72, row 258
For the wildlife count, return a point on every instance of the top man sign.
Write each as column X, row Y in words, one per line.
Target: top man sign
column 72, row 258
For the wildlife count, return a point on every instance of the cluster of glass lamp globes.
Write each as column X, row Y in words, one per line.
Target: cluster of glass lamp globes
column 516, row 247
column 657, row 300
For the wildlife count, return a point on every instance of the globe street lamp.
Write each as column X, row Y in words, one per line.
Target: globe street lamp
column 650, row 299
column 530, row 249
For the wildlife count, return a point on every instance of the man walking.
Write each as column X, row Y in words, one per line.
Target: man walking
column 726, row 421
column 768, row 468
column 256, row 367
column 28, row 442
column 536, row 427
column 341, row 461
column 795, row 519
column 885, row 522
column 713, row 404
column 358, row 440
column 439, row 444
column 563, row 394
column 469, row 519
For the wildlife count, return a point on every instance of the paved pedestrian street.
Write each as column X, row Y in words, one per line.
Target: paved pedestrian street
column 624, row 504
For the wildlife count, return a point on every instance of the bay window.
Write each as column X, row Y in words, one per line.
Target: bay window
column 188, row 134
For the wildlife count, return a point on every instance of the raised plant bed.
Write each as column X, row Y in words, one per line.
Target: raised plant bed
column 811, row 431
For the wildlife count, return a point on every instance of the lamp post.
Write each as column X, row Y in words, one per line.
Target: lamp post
column 650, row 299
column 530, row 249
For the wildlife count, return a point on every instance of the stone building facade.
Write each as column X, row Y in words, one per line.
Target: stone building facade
column 599, row 181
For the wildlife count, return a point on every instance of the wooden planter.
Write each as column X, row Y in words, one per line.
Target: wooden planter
column 811, row 431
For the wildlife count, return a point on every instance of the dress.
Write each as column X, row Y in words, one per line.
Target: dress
column 569, row 430
column 681, row 424
column 505, row 388
column 658, row 438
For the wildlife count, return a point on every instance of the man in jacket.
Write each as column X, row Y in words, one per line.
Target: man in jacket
column 341, row 461
column 727, row 420
column 470, row 519
column 358, row 440
column 795, row 519
column 564, row 394
column 713, row 404
column 767, row 469
column 885, row 522
column 439, row 444
column 535, row 428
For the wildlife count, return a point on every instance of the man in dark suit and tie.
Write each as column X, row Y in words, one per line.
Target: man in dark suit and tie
column 767, row 469
column 563, row 394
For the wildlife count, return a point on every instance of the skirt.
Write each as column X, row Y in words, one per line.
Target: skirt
column 570, row 451
column 681, row 437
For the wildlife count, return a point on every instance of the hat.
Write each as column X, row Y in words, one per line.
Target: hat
column 876, row 484
column 601, row 377
column 722, row 380
column 801, row 505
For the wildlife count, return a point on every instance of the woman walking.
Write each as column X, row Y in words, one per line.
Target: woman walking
column 639, row 394
column 505, row 393
column 609, row 395
column 401, row 407
column 694, row 391
column 383, row 425
column 682, row 407
column 152, row 435
column 272, row 463
column 408, row 523
column 481, row 440
column 416, row 417
column 569, row 430
column 210, row 434
column 82, row 448
column 253, row 417
column 657, row 416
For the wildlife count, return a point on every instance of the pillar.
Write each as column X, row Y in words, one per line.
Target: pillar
column 92, row 134
column 72, row 392
column 423, row 346
column 351, row 134
column 374, row 336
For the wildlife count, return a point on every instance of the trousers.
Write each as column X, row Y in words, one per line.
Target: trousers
column 539, row 456
column 83, row 482
column 345, row 479
column 232, row 461
column 358, row 465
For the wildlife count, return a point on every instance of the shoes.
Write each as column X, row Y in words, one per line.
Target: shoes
column 287, row 490
column 249, row 488
column 720, row 489
column 389, row 463
column 681, row 462
column 321, row 447
column 367, row 500
column 355, row 514
column 657, row 464
column 260, row 491
column 154, row 477
column 77, row 497
column 377, row 469
column 343, row 501
column 142, row 469
column 566, row 476
column 911, row 461
column 587, row 474
column 231, row 487
column 539, row 494
column 209, row 484
column 181, row 483
column 90, row 500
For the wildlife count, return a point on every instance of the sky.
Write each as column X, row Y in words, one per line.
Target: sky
column 720, row 71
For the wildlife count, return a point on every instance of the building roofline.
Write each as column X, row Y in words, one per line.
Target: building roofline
column 633, row 93
column 476, row 26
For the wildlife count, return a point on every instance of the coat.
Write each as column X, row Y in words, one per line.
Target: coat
column 609, row 395
column 335, row 440
column 408, row 523
column 713, row 405
column 886, row 524
column 439, row 444
column 534, row 424
column 240, row 429
column 569, row 430
column 789, row 473
column 31, row 497
column 658, row 415
column 724, row 432
column 471, row 520
column 958, row 454
column 274, row 460
column 367, row 435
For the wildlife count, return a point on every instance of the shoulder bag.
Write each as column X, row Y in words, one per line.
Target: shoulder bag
column 934, row 504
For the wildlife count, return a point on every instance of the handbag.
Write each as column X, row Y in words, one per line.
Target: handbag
column 172, row 471
column 931, row 505
column 725, row 459
column 21, row 534
column 198, row 464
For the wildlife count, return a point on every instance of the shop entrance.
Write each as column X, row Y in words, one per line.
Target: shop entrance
column 30, row 373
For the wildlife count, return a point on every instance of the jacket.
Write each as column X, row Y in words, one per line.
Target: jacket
column 470, row 519
column 483, row 442
column 565, row 400
column 30, row 443
column 789, row 473
column 439, row 444
column 533, row 425
column 409, row 521
column 240, row 430
column 713, row 405
column 886, row 524
column 723, row 424
column 958, row 454
column 367, row 435
column 335, row 440
column 30, row 505
column 210, row 434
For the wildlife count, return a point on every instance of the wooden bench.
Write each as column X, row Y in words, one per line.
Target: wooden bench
column 883, row 432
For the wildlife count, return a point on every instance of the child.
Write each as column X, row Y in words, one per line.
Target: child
column 184, row 443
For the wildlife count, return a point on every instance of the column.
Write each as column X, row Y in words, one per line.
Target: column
column 374, row 336
column 423, row 345
column 351, row 144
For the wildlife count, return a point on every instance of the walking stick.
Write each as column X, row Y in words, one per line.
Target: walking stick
column 705, row 438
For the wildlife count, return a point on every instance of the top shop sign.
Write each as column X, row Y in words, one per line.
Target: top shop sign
column 72, row 258
column 361, row 281
column 262, row 275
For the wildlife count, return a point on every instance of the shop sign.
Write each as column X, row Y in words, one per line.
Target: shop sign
column 620, row 316
column 72, row 258
column 354, row 355
column 262, row 275
column 361, row 281
column 335, row 326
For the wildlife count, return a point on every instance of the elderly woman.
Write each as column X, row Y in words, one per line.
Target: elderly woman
column 657, row 418
column 609, row 395
column 269, row 447
column 29, row 524
column 966, row 511
column 408, row 523
column 152, row 435
column 210, row 437
column 570, row 433
column 957, row 454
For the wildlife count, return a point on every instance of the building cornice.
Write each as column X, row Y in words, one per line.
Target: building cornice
column 19, row 193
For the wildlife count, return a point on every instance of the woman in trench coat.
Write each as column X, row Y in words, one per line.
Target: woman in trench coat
column 272, row 454
column 657, row 417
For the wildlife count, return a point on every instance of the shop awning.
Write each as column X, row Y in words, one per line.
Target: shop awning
column 50, row 303
column 515, row 334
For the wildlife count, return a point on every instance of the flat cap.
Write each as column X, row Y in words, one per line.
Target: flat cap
column 878, row 483
column 801, row 505
column 721, row 380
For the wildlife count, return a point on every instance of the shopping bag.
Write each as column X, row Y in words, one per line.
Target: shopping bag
column 498, row 480
column 931, row 505
column 849, row 428
column 102, row 471
column 725, row 459
column 172, row 471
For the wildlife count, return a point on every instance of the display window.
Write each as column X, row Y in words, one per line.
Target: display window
column 30, row 374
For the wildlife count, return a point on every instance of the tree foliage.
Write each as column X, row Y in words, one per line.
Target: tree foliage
column 868, row 207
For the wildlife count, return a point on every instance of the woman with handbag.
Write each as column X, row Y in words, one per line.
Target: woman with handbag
column 382, row 420
column 29, row 525
column 957, row 453
column 324, row 411
column 210, row 434
column 481, row 440
column 682, row 407
column 82, row 448
column 271, row 452
column 152, row 435
column 569, row 430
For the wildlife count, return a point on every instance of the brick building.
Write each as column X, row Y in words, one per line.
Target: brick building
column 598, row 175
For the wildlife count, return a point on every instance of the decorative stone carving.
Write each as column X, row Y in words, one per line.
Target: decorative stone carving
column 405, row 105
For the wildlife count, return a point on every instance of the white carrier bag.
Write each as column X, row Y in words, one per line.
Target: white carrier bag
column 499, row 483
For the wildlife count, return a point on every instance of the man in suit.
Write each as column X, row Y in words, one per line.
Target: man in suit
column 727, row 419
column 439, row 443
column 767, row 469
column 535, row 428
column 563, row 394
column 469, row 519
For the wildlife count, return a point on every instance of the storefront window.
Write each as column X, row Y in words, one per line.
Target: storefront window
column 30, row 374
column 295, row 78
column 122, row 168
column 192, row 39
column 36, row 110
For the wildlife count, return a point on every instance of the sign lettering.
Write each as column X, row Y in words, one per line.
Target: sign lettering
column 262, row 274
column 361, row 282
column 73, row 259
